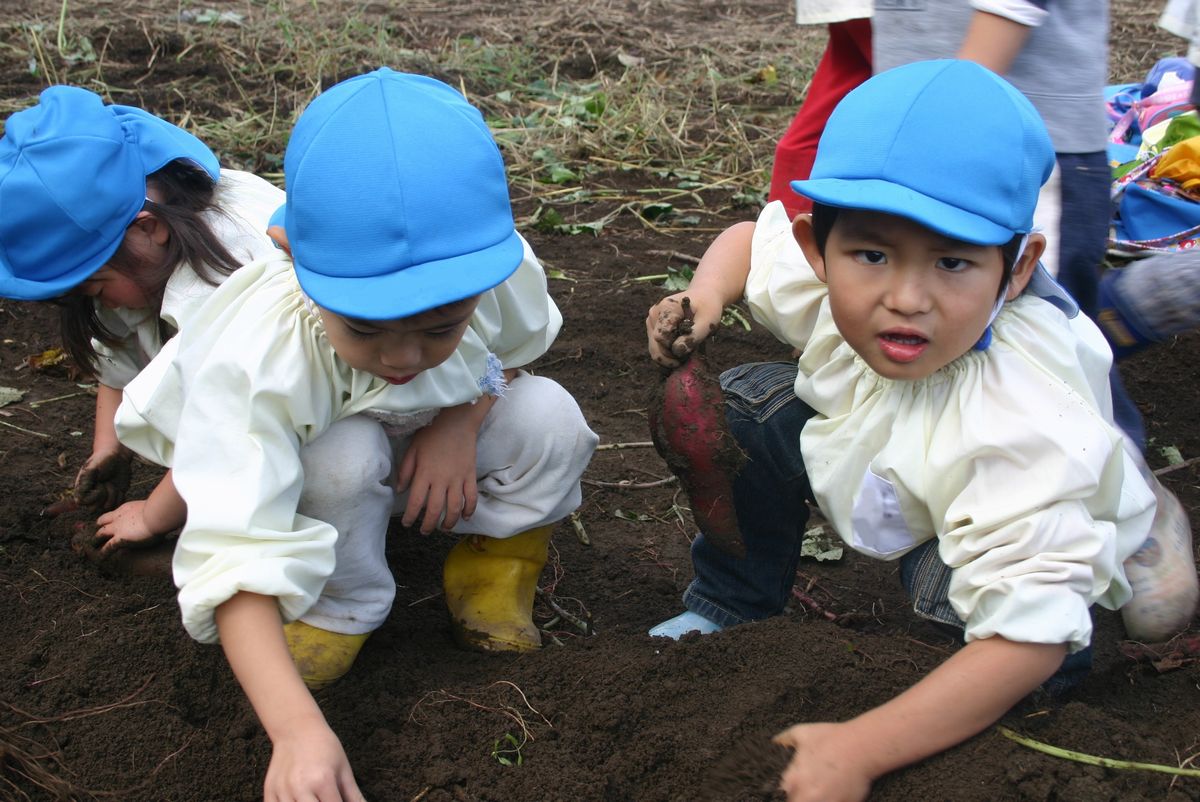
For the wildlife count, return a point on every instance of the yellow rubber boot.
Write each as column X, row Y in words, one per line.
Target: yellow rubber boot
column 321, row 656
column 490, row 584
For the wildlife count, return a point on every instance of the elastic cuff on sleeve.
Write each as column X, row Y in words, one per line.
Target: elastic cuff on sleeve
column 1022, row 12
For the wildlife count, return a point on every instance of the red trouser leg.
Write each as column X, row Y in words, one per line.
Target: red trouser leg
column 845, row 64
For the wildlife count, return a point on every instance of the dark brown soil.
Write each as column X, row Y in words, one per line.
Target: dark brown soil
column 103, row 695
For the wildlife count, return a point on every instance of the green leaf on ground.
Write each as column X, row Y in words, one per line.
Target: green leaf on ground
column 1171, row 454
column 10, row 395
column 821, row 543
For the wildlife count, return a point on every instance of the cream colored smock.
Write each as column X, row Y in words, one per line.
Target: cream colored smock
column 244, row 203
column 1008, row 456
column 228, row 403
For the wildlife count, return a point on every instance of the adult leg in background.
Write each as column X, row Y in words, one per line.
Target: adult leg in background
column 845, row 64
column 1083, row 232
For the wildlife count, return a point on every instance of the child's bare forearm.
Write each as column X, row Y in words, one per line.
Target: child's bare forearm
column 104, row 439
column 721, row 274
column 307, row 760
column 719, row 280
column 961, row 697
column 252, row 636
column 993, row 41
column 165, row 509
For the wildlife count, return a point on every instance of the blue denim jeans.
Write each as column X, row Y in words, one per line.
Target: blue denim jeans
column 765, row 418
column 1083, row 228
column 927, row 580
column 770, row 496
column 1083, row 233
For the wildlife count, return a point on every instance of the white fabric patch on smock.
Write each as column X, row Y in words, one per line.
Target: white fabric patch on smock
column 878, row 525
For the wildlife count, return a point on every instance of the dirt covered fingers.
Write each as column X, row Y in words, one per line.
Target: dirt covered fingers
column 438, row 470
column 103, row 480
column 126, row 526
column 310, row 765
column 824, row 767
column 676, row 325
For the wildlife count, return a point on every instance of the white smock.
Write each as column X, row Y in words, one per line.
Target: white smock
column 820, row 12
column 1008, row 456
column 243, row 204
column 236, row 401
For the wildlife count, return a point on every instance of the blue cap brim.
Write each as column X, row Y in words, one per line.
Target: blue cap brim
column 160, row 142
column 415, row 289
column 876, row 195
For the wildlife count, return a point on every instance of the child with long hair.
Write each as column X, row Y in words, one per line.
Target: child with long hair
column 127, row 223
column 375, row 372
column 950, row 410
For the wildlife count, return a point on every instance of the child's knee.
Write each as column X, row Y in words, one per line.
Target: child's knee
column 352, row 458
column 537, row 410
column 530, row 456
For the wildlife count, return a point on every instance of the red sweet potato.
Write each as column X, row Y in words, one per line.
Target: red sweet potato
column 687, row 425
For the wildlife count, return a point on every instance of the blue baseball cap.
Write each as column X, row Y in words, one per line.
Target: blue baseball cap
column 72, row 178
column 397, row 198
column 946, row 143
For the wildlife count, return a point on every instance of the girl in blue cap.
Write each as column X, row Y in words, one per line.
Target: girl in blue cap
column 375, row 372
column 127, row 223
column 950, row 410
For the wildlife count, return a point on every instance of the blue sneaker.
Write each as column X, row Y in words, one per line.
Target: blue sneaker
column 675, row 628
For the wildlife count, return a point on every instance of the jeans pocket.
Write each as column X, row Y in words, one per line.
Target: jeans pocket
column 757, row 390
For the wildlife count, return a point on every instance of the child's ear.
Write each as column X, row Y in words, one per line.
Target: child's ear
column 1023, row 269
column 279, row 236
column 152, row 228
column 802, row 230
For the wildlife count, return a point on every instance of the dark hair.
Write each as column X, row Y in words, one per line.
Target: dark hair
column 187, row 193
column 824, row 216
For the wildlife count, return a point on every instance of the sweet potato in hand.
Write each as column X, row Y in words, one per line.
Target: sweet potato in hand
column 688, row 427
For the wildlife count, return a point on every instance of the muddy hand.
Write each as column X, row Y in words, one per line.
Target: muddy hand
column 101, row 485
column 676, row 326
column 685, row 338
column 153, row 560
column 125, row 527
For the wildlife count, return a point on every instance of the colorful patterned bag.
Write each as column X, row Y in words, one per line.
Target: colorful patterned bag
column 1133, row 108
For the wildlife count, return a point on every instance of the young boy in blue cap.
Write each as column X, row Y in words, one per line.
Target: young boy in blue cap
column 950, row 410
column 376, row 369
